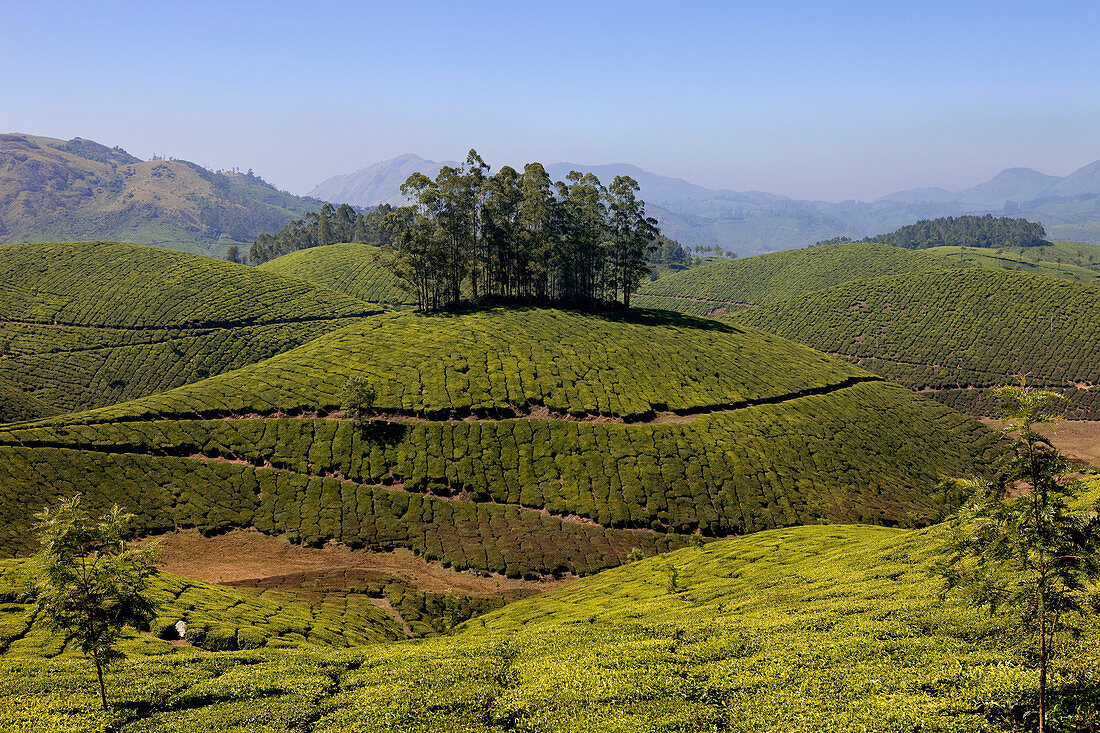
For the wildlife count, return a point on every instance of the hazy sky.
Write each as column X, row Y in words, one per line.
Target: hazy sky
column 828, row 100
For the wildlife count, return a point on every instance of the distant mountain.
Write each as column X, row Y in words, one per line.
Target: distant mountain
column 376, row 184
column 755, row 222
column 54, row 190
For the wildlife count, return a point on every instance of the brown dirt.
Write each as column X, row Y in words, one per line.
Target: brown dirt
column 1077, row 439
column 249, row 555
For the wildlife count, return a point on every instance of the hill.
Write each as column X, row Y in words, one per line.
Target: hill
column 802, row 629
column 353, row 269
column 727, row 285
column 78, row 189
column 84, row 324
column 955, row 333
column 520, row 442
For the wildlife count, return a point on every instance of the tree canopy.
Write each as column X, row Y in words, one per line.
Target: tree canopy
column 330, row 225
column 520, row 237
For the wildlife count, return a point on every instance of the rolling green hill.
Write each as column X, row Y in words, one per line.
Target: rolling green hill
column 84, row 324
column 724, row 286
column 729, row 285
column 514, row 441
column 955, row 333
column 349, row 268
column 1067, row 260
column 78, row 189
column 802, row 629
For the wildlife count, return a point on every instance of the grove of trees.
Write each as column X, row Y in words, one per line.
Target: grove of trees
column 519, row 237
column 330, row 225
column 959, row 231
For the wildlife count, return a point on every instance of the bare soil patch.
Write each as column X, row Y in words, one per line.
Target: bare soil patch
column 248, row 555
column 1077, row 439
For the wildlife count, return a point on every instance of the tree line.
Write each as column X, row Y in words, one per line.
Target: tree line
column 520, row 237
column 330, row 225
column 961, row 231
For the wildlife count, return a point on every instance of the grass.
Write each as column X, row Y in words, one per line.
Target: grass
column 804, row 629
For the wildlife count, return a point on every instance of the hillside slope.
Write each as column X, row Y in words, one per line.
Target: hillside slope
column 353, row 269
column 84, row 324
column 803, row 629
column 728, row 285
column 955, row 333
column 522, row 442
column 78, row 189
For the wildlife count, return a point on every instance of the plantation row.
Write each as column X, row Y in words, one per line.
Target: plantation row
column 17, row 406
column 808, row 629
column 489, row 361
column 951, row 328
column 1059, row 263
column 871, row 452
column 693, row 306
column 217, row 618
column 166, row 493
column 353, row 269
column 779, row 275
column 107, row 284
column 1080, row 404
column 105, row 374
column 427, row 614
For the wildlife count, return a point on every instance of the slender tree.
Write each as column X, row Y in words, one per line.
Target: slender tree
column 632, row 235
column 90, row 584
column 1018, row 546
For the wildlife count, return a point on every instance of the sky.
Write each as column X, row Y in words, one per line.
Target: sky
column 820, row 100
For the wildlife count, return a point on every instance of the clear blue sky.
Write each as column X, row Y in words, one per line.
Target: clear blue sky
column 829, row 100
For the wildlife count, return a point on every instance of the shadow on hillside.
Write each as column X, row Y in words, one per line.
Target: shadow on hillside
column 615, row 313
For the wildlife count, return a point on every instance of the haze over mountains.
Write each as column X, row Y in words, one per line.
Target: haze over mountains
column 753, row 222
column 56, row 190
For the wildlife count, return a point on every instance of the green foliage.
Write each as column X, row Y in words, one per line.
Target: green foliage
column 90, row 584
column 957, row 332
column 967, row 231
column 1029, row 555
column 518, row 236
column 735, row 284
column 128, row 286
column 802, row 629
column 329, row 225
column 75, row 333
column 354, row 269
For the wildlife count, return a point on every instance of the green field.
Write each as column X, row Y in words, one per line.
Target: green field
column 523, row 442
column 730, row 285
column 86, row 324
column 802, row 629
column 353, row 269
column 956, row 332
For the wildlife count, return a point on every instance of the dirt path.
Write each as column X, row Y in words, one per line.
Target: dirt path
column 246, row 554
column 385, row 605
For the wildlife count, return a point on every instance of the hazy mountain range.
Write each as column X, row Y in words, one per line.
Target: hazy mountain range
column 751, row 222
column 79, row 190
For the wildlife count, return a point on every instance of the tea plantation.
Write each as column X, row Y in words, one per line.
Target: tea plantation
column 522, row 442
column 729, row 285
column 801, row 629
column 87, row 324
column 956, row 332
column 354, row 269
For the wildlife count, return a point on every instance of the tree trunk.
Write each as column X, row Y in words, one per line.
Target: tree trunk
column 102, row 686
column 1042, row 673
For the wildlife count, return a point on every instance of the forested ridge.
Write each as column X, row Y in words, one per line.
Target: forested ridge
column 961, row 231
